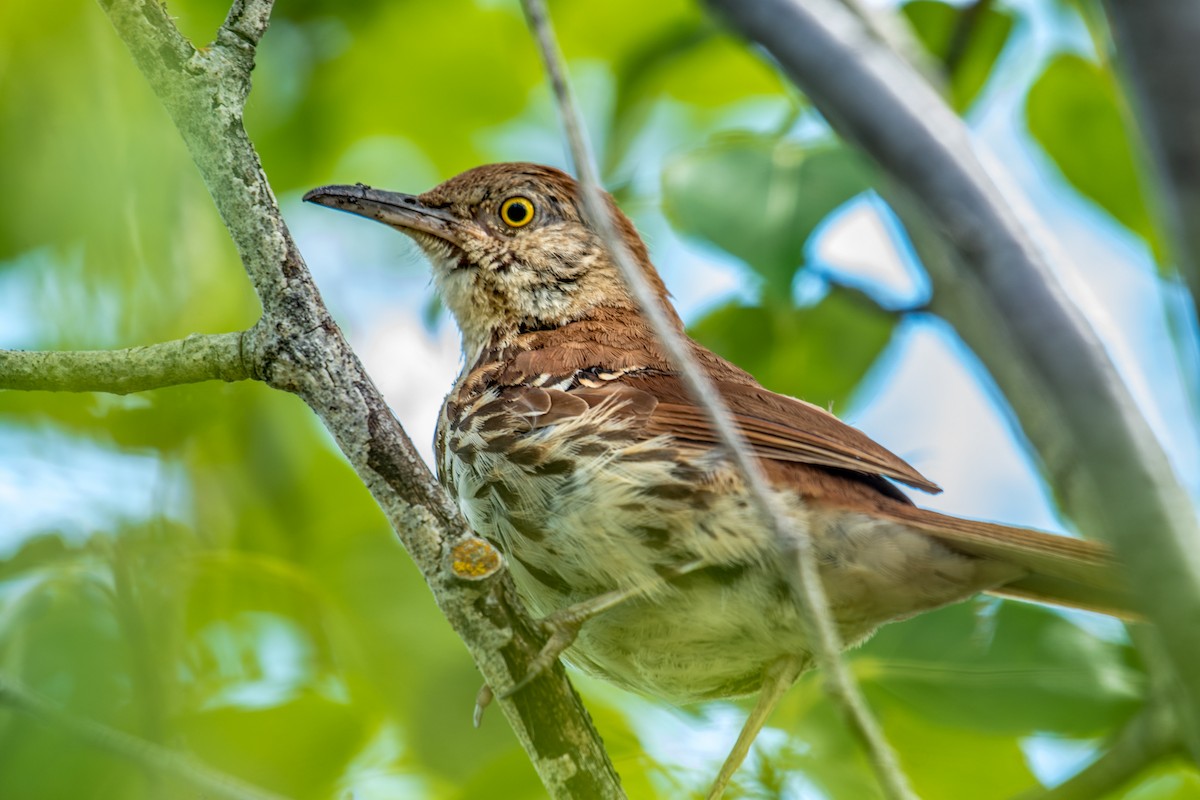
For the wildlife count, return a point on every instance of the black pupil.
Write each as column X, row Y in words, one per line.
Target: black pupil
column 517, row 212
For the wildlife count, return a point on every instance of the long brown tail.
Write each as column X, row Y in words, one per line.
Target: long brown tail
column 1062, row 570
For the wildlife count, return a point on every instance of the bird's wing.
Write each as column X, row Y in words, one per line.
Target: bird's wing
column 800, row 442
column 776, row 427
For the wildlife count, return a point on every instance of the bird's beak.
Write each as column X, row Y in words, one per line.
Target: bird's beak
column 402, row 211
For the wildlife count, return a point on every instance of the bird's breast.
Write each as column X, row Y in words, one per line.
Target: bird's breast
column 588, row 504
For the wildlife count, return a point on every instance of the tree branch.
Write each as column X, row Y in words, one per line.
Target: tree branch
column 207, row 780
column 792, row 541
column 212, row 357
column 1156, row 49
column 993, row 283
column 1144, row 740
column 296, row 347
column 249, row 19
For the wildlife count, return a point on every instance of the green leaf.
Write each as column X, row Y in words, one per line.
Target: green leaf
column 760, row 198
column 1170, row 779
column 1074, row 111
column 1025, row 670
column 300, row 748
column 983, row 33
column 947, row 762
column 818, row 353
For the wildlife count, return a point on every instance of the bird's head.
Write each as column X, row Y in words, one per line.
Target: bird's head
column 510, row 249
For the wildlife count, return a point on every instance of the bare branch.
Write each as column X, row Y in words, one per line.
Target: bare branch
column 212, row 357
column 249, row 19
column 297, row 347
column 237, row 39
column 207, row 780
column 993, row 282
column 827, row 644
column 1156, row 49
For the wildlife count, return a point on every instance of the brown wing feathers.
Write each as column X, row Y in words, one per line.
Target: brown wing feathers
column 827, row 461
column 790, row 432
column 776, row 427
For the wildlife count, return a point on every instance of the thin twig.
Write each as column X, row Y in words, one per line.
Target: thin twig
column 892, row 28
column 200, row 357
column 148, row 755
column 827, row 641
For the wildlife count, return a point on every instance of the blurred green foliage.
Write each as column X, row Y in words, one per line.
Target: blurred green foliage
column 966, row 40
column 760, row 198
column 261, row 616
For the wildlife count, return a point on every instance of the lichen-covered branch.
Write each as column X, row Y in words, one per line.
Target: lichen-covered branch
column 206, row 780
column 985, row 253
column 296, row 347
column 249, row 19
column 212, row 357
column 793, row 543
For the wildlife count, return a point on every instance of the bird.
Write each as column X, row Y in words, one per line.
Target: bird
column 571, row 442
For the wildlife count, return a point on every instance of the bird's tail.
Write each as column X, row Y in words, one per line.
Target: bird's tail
column 1061, row 570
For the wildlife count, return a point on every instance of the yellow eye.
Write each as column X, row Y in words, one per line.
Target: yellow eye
column 517, row 212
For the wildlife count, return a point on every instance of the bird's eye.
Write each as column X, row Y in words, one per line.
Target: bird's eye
column 517, row 212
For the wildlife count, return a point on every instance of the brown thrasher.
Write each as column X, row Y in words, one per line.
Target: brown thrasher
column 571, row 443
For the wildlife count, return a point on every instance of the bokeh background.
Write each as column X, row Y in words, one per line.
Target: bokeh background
column 198, row 565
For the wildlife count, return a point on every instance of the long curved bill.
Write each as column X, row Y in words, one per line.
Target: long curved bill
column 405, row 212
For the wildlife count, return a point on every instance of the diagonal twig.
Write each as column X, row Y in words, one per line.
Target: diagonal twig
column 827, row 641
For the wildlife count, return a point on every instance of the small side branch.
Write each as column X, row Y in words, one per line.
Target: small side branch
column 211, row 357
column 249, row 19
column 827, row 642
column 1148, row 737
column 148, row 755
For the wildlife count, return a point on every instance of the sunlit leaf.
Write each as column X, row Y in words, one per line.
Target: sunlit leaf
column 1075, row 112
column 1172, row 779
column 966, row 39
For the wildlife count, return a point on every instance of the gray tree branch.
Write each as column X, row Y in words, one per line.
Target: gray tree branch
column 1148, row 737
column 992, row 281
column 1156, row 49
column 793, row 542
column 192, row 360
column 296, row 347
column 208, row 781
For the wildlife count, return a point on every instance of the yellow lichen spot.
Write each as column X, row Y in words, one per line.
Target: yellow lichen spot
column 474, row 559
